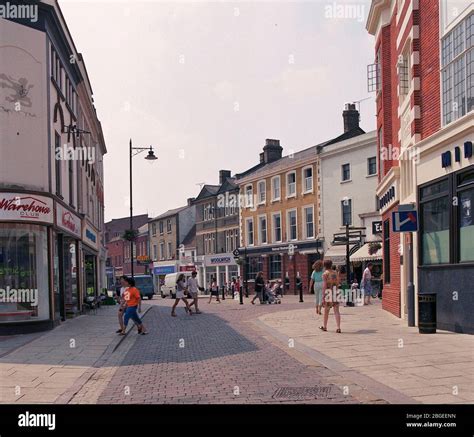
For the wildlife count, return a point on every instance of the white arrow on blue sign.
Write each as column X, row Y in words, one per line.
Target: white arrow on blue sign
column 405, row 221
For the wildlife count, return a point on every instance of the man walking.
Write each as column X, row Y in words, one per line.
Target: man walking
column 193, row 290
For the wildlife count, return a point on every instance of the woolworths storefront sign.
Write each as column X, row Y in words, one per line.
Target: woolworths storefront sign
column 223, row 259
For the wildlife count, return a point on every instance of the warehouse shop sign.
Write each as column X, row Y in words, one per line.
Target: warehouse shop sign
column 21, row 207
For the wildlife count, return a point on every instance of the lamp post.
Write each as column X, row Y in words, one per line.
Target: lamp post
column 150, row 157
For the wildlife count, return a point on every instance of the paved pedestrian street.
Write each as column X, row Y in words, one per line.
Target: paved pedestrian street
column 236, row 354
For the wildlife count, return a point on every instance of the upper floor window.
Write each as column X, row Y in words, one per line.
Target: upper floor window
column 168, row 226
column 308, row 214
column 345, row 172
column 346, row 209
column 249, row 226
column 374, row 74
column 307, row 179
column 292, row 225
column 262, row 195
column 276, row 227
column 153, row 229
column 404, row 72
column 371, row 166
column 291, row 184
column 457, row 70
column 161, row 226
column 208, row 212
column 276, row 188
column 249, row 196
column 262, row 229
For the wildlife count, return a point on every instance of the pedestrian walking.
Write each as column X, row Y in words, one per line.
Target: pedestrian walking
column 122, row 285
column 193, row 290
column 133, row 300
column 214, row 291
column 330, row 295
column 366, row 284
column 316, row 284
column 181, row 291
column 259, row 288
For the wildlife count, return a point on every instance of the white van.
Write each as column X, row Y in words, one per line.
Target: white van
column 169, row 287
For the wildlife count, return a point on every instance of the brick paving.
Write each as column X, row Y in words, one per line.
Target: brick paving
column 217, row 357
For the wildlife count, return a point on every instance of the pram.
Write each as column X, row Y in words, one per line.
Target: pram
column 270, row 297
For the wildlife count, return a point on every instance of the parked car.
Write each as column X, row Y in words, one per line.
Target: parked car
column 169, row 287
column 145, row 284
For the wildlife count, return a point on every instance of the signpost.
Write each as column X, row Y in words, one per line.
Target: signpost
column 406, row 220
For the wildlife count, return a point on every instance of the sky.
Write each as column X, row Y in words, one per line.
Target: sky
column 205, row 83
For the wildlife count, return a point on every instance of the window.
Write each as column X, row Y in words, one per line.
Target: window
column 262, row 229
column 308, row 214
column 292, row 225
column 386, row 251
column 466, row 217
column 345, row 172
column 403, row 70
column 435, row 211
column 162, row 251
column 374, row 74
column 161, row 226
column 275, row 266
column 208, row 212
column 71, row 182
column 249, row 228
column 308, row 180
column 291, row 184
column 57, row 164
column 168, row 226
column 372, row 166
column 155, row 252
column 457, row 57
column 262, row 195
column 231, row 240
column 346, row 208
column 24, row 264
column 209, row 243
column 170, row 251
column 153, row 229
column 249, row 196
column 254, row 265
column 277, row 227
column 276, row 195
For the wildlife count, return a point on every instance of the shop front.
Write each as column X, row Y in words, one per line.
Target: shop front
column 221, row 267
column 445, row 188
column 160, row 270
column 66, row 239
column 26, row 220
column 90, row 252
column 289, row 263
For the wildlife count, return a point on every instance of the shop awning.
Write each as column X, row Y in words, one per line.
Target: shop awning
column 363, row 254
column 337, row 254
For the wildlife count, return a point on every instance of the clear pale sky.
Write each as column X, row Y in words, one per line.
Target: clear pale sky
column 206, row 82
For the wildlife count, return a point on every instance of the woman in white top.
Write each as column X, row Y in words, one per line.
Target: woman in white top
column 181, row 295
column 366, row 283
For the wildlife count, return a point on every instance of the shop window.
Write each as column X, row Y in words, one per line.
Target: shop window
column 275, row 266
column 254, row 265
column 466, row 219
column 24, row 289
column 435, row 233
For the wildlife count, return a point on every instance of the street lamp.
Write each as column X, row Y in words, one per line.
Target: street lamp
column 150, row 157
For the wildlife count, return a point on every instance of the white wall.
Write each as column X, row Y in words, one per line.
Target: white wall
column 361, row 189
column 23, row 132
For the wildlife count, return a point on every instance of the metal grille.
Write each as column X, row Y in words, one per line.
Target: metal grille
column 303, row 393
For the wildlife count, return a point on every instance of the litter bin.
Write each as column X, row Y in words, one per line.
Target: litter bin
column 427, row 313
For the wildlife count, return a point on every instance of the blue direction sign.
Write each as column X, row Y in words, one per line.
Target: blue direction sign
column 405, row 221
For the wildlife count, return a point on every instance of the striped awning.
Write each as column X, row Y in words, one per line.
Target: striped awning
column 363, row 254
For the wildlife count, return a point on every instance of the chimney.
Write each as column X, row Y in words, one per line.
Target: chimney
column 351, row 117
column 223, row 174
column 271, row 151
column 191, row 200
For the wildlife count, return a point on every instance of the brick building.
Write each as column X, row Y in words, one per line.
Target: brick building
column 280, row 213
column 423, row 79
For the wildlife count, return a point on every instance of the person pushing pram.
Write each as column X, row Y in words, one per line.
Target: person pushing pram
column 271, row 291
